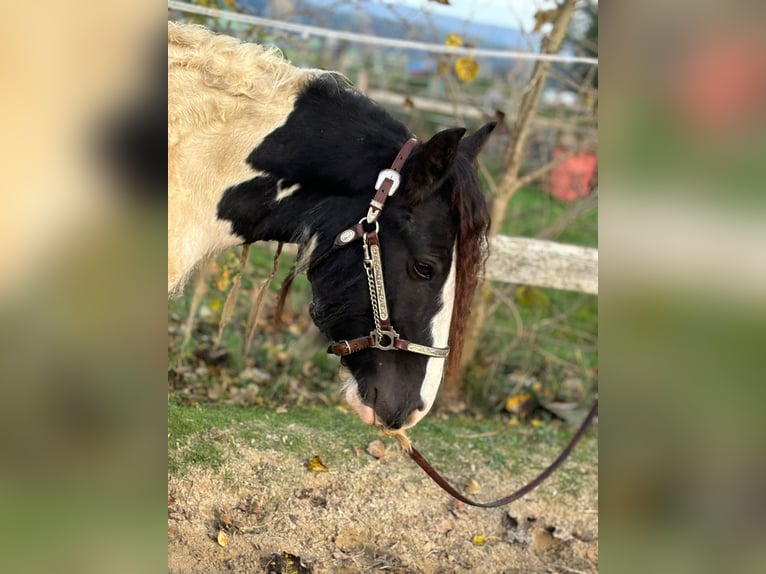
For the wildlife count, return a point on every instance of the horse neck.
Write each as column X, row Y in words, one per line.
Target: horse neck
column 224, row 98
column 327, row 154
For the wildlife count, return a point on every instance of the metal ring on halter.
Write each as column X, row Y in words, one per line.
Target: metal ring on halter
column 379, row 336
column 377, row 225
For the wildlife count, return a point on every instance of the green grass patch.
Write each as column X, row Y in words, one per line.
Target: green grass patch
column 203, row 436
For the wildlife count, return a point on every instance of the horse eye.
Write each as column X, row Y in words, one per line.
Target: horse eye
column 424, row 270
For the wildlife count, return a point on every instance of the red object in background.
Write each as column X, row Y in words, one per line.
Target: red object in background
column 720, row 83
column 571, row 178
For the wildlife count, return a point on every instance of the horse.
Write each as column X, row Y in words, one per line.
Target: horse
column 392, row 230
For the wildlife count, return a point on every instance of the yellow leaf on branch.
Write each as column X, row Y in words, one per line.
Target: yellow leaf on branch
column 454, row 40
column 466, row 69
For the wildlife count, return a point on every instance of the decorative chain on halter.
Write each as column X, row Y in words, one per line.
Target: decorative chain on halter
column 374, row 269
column 384, row 337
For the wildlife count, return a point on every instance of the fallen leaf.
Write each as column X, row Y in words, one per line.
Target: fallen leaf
column 478, row 540
column 516, row 403
column 377, row 449
column 473, row 487
column 223, row 538
column 286, row 563
column 316, row 465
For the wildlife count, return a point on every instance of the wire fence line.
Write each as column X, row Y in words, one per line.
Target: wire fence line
column 307, row 31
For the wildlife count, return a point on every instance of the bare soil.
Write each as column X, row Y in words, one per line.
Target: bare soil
column 264, row 510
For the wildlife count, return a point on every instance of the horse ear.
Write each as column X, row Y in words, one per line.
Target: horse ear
column 432, row 163
column 471, row 146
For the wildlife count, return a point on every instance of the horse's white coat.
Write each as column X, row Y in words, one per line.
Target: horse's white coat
column 224, row 98
column 440, row 328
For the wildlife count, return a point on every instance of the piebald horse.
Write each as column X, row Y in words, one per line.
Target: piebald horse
column 261, row 150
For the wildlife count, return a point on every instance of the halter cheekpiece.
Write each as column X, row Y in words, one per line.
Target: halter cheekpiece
column 384, row 337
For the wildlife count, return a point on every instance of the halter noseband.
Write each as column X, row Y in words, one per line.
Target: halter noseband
column 384, row 337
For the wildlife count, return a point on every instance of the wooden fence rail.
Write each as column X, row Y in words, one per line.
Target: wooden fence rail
column 543, row 263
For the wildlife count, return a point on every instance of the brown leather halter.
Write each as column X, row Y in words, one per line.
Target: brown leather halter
column 384, row 337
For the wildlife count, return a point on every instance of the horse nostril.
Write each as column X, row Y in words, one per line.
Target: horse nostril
column 397, row 420
column 392, row 410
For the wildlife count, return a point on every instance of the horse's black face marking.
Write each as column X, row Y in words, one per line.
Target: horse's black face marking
column 332, row 147
column 391, row 382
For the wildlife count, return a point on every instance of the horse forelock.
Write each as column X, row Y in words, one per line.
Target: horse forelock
column 471, row 212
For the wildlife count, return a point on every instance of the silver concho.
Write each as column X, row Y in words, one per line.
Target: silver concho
column 347, row 236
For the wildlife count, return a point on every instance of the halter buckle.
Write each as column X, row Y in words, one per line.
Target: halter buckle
column 391, row 174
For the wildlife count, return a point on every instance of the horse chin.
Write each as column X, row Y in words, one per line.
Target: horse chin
column 354, row 401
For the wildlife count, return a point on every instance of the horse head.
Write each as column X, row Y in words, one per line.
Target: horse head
column 431, row 235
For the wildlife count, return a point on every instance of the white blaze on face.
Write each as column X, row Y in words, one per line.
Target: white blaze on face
column 440, row 326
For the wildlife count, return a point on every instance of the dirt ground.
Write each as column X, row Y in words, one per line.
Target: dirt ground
column 265, row 511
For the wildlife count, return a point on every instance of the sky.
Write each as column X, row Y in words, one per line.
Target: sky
column 513, row 13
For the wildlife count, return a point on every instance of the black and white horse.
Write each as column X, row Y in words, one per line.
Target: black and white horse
column 261, row 150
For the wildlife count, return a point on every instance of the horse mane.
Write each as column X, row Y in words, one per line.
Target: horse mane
column 209, row 74
column 470, row 210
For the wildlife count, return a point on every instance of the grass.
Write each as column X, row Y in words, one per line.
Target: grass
column 201, row 435
column 204, row 436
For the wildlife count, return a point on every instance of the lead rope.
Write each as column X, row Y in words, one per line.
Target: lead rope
column 531, row 485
